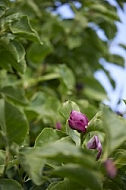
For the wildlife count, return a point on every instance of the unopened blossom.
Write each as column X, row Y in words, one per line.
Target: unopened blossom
column 94, row 143
column 78, row 121
column 58, row 125
column 110, row 167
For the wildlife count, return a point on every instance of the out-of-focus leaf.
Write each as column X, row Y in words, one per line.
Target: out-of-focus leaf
column 104, row 11
column 2, row 161
column 87, row 108
column 2, row 10
column 13, row 123
column 80, row 175
column 120, row 157
column 32, row 164
column 10, row 184
column 115, row 128
column 74, row 42
column 110, row 30
column 67, row 77
column 37, row 52
column 12, row 55
column 93, row 89
column 124, row 101
column 15, row 94
column 116, row 59
column 65, row 184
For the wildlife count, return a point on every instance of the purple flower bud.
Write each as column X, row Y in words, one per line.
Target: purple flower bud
column 58, row 125
column 110, row 168
column 94, row 143
column 78, row 121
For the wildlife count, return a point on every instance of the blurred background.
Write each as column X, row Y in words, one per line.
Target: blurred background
column 117, row 46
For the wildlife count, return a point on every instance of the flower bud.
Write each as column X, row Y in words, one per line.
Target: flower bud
column 78, row 121
column 110, row 168
column 58, row 125
column 94, row 143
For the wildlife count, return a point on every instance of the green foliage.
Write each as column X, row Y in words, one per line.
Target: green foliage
column 47, row 66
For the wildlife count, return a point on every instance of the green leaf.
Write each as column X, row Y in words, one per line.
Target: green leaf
column 12, row 55
column 67, row 77
column 60, row 151
column 75, row 136
column 115, row 127
column 80, row 175
column 124, row 101
column 116, row 59
column 65, row 184
column 15, row 94
column 22, row 27
column 13, row 123
column 32, row 164
column 2, row 10
column 10, row 184
column 37, row 52
column 96, row 124
column 48, row 135
column 66, row 107
column 2, row 161
column 93, row 89
column 120, row 158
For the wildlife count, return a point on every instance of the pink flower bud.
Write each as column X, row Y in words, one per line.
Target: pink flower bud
column 78, row 121
column 94, row 143
column 58, row 125
column 110, row 168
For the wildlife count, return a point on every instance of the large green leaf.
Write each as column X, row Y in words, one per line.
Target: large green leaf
column 10, row 184
column 60, row 151
column 115, row 128
column 13, row 123
column 32, row 164
column 80, row 175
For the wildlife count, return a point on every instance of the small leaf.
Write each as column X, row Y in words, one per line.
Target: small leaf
column 96, row 123
column 48, row 135
column 116, row 59
column 66, row 107
column 21, row 26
